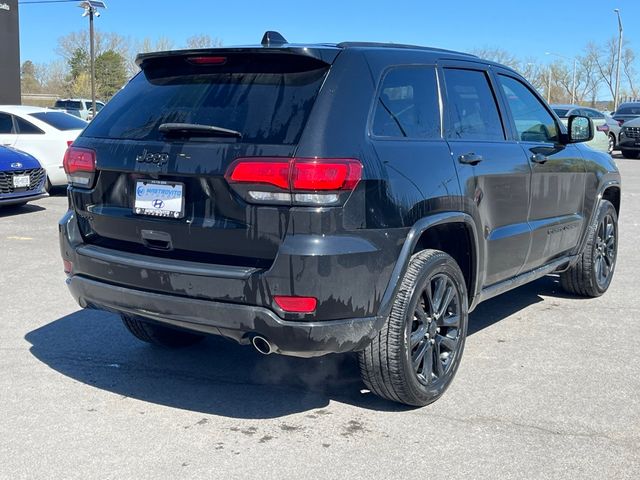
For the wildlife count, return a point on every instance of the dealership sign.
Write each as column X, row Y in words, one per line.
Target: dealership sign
column 5, row 6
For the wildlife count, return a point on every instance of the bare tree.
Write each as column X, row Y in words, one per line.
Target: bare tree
column 628, row 66
column 203, row 41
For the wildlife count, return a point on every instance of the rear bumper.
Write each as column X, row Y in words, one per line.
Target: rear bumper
column 348, row 275
column 238, row 322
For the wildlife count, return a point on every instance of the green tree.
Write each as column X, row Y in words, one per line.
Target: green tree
column 111, row 73
column 28, row 78
column 78, row 63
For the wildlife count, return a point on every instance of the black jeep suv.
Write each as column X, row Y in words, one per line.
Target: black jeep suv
column 310, row 199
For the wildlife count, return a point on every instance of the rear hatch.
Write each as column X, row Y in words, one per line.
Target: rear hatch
column 162, row 190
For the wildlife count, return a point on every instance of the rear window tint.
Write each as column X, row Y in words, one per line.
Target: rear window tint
column 408, row 104
column 60, row 120
column 27, row 128
column 633, row 110
column 267, row 107
column 67, row 104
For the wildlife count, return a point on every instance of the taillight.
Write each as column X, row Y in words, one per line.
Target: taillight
column 301, row 181
column 80, row 166
column 207, row 60
column 603, row 128
column 69, row 143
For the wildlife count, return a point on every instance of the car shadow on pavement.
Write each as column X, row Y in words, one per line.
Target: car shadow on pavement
column 218, row 376
column 11, row 210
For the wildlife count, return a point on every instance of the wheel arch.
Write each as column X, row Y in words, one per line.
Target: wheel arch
column 454, row 233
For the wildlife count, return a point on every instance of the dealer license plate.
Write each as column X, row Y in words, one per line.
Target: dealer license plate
column 21, row 181
column 159, row 199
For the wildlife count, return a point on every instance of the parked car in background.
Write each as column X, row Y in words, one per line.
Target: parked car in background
column 630, row 139
column 627, row 111
column 315, row 199
column 80, row 107
column 609, row 129
column 43, row 133
column 22, row 178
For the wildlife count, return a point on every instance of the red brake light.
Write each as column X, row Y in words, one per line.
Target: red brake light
column 325, row 174
column 69, row 143
column 274, row 172
column 80, row 166
column 207, row 60
column 603, row 128
column 296, row 304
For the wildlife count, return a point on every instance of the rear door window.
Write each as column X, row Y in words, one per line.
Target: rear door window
column 27, row 128
column 407, row 105
column 6, row 124
column 472, row 107
column 533, row 121
column 265, row 105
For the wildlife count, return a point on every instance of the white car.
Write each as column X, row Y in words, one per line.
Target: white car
column 43, row 133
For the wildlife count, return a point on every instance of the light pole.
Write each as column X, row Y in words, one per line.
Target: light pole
column 91, row 10
column 575, row 68
column 616, row 96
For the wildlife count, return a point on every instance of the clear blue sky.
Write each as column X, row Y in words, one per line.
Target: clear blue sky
column 562, row 26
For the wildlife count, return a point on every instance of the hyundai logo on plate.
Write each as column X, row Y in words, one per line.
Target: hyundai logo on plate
column 158, row 203
column 16, row 165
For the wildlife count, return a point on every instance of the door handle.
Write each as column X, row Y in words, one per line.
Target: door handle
column 538, row 158
column 470, row 159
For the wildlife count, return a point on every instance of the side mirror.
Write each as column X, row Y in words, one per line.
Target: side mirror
column 580, row 129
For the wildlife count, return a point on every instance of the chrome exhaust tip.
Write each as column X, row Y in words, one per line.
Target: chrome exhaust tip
column 262, row 345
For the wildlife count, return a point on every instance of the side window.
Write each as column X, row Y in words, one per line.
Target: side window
column 407, row 105
column 472, row 106
column 533, row 122
column 27, row 128
column 593, row 113
column 6, row 123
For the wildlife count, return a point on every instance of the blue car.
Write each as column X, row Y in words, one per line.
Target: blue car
column 22, row 178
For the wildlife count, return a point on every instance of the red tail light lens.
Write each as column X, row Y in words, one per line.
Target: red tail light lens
column 80, row 166
column 207, row 60
column 296, row 304
column 343, row 174
column 603, row 128
column 297, row 177
column 69, row 143
column 275, row 172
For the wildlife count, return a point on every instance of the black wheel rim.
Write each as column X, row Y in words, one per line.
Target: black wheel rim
column 434, row 333
column 605, row 251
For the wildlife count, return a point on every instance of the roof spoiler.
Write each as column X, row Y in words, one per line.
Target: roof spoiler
column 272, row 43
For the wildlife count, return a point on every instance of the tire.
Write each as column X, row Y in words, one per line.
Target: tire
column 612, row 143
column 387, row 364
column 159, row 335
column 632, row 154
column 593, row 272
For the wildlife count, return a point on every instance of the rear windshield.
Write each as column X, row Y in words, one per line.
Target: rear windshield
column 561, row 112
column 60, row 120
column 266, row 107
column 634, row 110
column 69, row 105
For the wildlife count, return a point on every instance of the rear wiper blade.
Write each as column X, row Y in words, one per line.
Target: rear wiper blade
column 197, row 130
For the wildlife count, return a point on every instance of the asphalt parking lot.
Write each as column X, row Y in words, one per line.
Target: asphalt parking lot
column 549, row 387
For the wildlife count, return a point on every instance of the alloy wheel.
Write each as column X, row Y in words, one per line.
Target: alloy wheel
column 605, row 251
column 434, row 334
